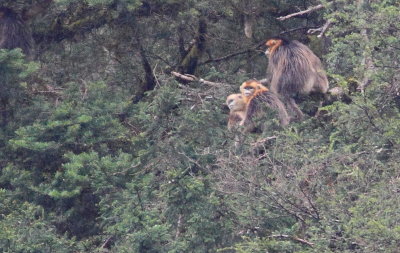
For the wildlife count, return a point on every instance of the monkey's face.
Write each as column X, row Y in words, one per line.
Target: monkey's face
column 271, row 42
column 251, row 88
column 235, row 102
column 248, row 88
column 248, row 91
column 272, row 45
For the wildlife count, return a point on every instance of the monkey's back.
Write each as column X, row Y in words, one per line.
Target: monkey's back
column 264, row 101
column 295, row 69
column 13, row 32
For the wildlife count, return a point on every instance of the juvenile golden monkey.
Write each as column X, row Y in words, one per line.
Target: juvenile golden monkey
column 237, row 105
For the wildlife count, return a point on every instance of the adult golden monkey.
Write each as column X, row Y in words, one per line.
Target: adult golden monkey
column 293, row 69
column 252, row 88
column 14, row 33
column 258, row 97
column 253, row 102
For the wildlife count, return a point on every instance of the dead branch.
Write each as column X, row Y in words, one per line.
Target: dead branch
column 368, row 64
column 311, row 9
column 321, row 29
column 107, row 242
column 186, row 77
column 48, row 90
column 178, row 226
column 192, row 78
column 324, row 28
column 367, row 60
column 244, row 51
column 294, row 238
column 298, row 29
column 263, row 141
column 226, row 56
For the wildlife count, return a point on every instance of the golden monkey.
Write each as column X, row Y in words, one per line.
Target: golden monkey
column 252, row 88
column 14, row 33
column 237, row 106
column 293, row 69
column 256, row 96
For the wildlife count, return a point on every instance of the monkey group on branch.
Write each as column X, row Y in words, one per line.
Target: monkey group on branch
column 251, row 102
column 293, row 70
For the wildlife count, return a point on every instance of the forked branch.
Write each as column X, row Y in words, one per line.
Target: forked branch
column 321, row 29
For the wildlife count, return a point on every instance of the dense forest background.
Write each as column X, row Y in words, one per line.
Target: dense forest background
column 102, row 149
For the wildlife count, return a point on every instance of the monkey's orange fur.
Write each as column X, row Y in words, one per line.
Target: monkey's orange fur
column 273, row 44
column 237, row 104
column 256, row 96
column 251, row 102
column 251, row 89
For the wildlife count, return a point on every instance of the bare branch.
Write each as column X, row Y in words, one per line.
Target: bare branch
column 367, row 60
column 297, row 29
column 311, row 9
column 294, row 238
column 248, row 26
column 321, row 29
column 186, row 77
column 262, row 141
column 192, row 78
column 324, row 28
column 106, row 243
column 178, row 226
column 227, row 56
column 244, row 51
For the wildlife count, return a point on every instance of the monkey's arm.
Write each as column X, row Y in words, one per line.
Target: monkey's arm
column 270, row 71
column 253, row 109
column 234, row 120
column 274, row 74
